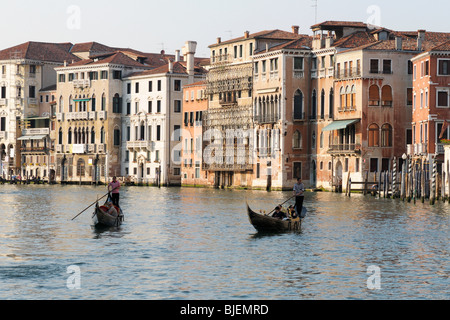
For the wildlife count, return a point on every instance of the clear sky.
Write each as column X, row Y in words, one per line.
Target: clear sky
column 154, row 25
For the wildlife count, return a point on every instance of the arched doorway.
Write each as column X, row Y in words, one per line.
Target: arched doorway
column 338, row 177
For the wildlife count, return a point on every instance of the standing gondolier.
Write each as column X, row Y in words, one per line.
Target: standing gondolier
column 114, row 188
column 299, row 193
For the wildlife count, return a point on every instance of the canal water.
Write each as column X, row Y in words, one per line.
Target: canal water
column 198, row 244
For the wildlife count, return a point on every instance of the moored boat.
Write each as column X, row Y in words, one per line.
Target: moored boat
column 106, row 217
column 268, row 224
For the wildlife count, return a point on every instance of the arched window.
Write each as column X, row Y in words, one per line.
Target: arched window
column 314, row 105
column 322, row 104
column 93, row 135
column 342, row 96
column 374, row 95
column 60, row 136
column 298, row 106
column 353, row 96
column 69, row 136
column 116, row 137
column 61, row 104
column 331, row 104
column 321, row 140
column 386, row 96
column 81, row 168
column 374, row 135
column 103, row 102
column 102, row 136
column 386, row 135
column 70, row 104
column 313, row 140
column 93, row 103
column 348, row 97
column 297, row 143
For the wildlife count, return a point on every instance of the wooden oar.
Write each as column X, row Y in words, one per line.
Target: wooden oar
column 89, row 206
column 93, row 204
column 280, row 205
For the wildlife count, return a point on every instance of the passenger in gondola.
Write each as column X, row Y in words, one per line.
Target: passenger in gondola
column 279, row 214
column 292, row 212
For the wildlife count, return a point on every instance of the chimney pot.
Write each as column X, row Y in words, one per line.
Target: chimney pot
column 295, row 29
column 219, row 40
column 247, row 34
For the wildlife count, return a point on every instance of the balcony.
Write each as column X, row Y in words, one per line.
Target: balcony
column 299, row 116
column 91, row 148
column 348, row 73
column 141, row 145
column 82, row 83
column 36, row 131
column 60, row 117
column 102, row 115
column 92, row 115
column 420, row 148
column 101, row 148
column 345, row 149
column 79, row 148
column 266, row 119
column 440, row 148
column 34, row 150
column 3, row 135
column 299, row 74
column 33, row 101
column 3, row 102
column 59, row 148
column 19, row 101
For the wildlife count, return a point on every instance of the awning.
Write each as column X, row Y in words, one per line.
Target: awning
column 81, row 100
column 26, row 138
column 341, row 124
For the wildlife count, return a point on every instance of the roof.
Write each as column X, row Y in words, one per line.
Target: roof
column 302, row 43
column 442, row 47
column 112, row 58
column 339, row 24
column 178, row 68
column 356, row 39
column 196, row 84
column 40, row 51
column 267, row 34
column 49, row 88
column 91, row 47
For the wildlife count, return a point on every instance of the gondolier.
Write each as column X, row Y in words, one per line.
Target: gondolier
column 114, row 188
column 299, row 193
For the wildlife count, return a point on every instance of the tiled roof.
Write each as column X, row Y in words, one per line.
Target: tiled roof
column 354, row 40
column 442, row 47
column 91, row 47
column 350, row 24
column 267, row 34
column 178, row 68
column 113, row 58
column 303, row 43
column 196, row 84
column 41, row 51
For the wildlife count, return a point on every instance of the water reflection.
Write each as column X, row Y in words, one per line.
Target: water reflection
column 199, row 244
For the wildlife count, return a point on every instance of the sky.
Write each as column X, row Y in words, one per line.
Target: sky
column 152, row 26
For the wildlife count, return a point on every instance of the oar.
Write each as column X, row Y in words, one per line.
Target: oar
column 280, row 205
column 93, row 203
column 89, row 206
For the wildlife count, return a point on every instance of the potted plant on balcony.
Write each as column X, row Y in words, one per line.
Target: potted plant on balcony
column 445, row 141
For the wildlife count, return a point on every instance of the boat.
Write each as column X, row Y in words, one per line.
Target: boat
column 102, row 218
column 267, row 224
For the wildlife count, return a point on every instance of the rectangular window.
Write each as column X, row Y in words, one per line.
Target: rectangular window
column 3, row 93
column 62, row 78
column 93, row 75
column 158, row 133
column 442, row 99
column 177, row 85
column 410, row 67
column 385, row 164
column 444, row 67
column 104, row 75
column 150, row 86
column 150, row 105
column 297, row 174
column 373, row 66
column 298, row 63
column 387, row 66
column 159, row 85
column 409, row 96
column 3, row 124
column 117, row 137
column 128, row 108
column 32, row 92
column 177, row 106
column 117, row 75
column 137, row 87
column 374, row 165
column 176, row 133
column 158, row 106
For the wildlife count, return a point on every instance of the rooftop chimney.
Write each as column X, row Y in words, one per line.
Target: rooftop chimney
column 295, row 29
column 177, row 55
column 246, row 34
column 420, row 39
column 190, row 49
column 170, row 66
column 219, row 40
column 398, row 43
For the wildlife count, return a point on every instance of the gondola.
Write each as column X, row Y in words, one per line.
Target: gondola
column 267, row 224
column 102, row 219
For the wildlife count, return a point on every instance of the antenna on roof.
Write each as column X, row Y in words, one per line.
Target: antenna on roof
column 162, row 46
column 315, row 5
